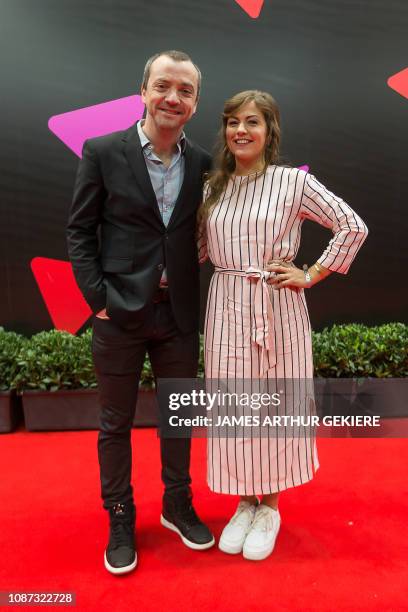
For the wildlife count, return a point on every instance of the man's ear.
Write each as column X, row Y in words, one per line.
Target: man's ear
column 143, row 93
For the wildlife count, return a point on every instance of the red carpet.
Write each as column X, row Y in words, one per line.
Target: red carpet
column 342, row 546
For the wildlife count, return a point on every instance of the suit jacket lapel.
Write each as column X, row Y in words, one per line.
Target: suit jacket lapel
column 134, row 155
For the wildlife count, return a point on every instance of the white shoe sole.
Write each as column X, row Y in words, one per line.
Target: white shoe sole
column 192, row 545
column 230, row 549
column 253, row 555
column 119, row 570
column 259, row 555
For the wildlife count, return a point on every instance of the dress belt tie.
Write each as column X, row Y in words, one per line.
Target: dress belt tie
column 262, row 322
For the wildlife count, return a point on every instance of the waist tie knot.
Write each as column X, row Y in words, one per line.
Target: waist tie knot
column 262, row 321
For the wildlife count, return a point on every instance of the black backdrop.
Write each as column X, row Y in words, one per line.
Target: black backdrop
column 326, row 62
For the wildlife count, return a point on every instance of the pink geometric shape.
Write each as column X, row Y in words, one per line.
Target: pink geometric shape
column 305, row 168
column 74, row 127
column 399, row 82
column 252, row 7
column 63, row 299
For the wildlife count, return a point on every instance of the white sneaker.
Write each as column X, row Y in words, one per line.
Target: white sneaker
column 261, row 538
column 234, row 534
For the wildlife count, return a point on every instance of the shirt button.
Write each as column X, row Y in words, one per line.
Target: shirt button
column 160, row 267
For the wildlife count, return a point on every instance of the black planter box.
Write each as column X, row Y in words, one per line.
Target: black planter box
column 385, row 397
column 10, row 411
column 78, row 409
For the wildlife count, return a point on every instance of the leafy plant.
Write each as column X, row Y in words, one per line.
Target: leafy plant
column 10, row 347
column 356, row 350
column 201, row 358
column 53, row 360
column 147, row 377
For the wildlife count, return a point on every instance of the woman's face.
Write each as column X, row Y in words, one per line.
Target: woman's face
column 246, row 134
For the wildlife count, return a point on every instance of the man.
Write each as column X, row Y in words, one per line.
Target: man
column 131, row 241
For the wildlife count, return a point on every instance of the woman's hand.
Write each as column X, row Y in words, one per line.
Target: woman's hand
column 287, row 275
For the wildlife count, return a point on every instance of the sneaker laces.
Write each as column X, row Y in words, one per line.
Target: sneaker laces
column 239, row 516
column 187, row 514
column 122, row 529
column 263, row 520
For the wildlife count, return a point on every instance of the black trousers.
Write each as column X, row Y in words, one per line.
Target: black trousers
column 118, row 358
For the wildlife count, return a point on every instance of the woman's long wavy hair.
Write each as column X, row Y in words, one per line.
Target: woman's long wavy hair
column 224, row 164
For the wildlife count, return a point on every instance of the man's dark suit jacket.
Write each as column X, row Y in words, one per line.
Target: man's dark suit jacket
column 117, row 242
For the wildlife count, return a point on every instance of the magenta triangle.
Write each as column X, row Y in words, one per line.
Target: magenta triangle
column 74, row 127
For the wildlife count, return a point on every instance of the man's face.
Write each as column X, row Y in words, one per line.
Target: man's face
column 170, row 95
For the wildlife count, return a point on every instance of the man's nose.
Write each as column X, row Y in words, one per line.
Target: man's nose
column 172, row 97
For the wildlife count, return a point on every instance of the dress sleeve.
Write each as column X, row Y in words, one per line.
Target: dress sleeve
column 349, row 230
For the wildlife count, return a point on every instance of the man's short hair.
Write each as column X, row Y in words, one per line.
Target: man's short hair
column 177, row 56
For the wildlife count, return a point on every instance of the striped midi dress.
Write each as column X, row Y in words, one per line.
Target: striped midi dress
column 254, row 332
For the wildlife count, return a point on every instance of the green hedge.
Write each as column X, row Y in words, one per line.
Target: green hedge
column 11, row 345
column 54, row 360
column 356, row 350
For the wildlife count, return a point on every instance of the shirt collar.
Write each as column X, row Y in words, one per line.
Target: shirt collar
column 145, row 142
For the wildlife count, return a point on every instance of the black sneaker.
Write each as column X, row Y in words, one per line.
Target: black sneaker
column 120, row 555
column 180, row 516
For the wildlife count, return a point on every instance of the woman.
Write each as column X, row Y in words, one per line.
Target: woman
column 257, row 325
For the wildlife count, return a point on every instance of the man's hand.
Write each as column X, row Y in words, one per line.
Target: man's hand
column 102, row 315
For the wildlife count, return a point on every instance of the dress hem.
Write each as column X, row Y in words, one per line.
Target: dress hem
column 264, row 490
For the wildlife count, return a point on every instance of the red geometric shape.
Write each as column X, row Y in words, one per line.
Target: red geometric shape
column 252, row 7
column 399, row 82
column 63, row 299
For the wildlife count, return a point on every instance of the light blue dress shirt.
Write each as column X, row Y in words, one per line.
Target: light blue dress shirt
column 166, row 181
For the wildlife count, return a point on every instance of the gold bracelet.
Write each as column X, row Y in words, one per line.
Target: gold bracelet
column 318, row 268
